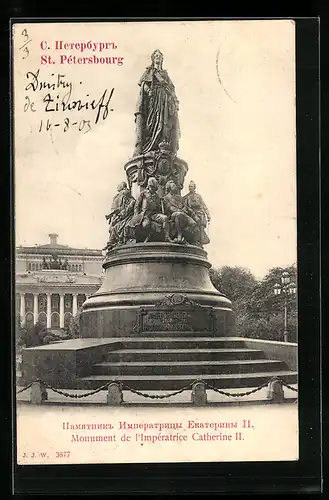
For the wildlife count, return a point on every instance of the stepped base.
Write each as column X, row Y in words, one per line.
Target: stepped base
column 163, row 364
column 145, row 355
column 195, row 368
column 176, row 382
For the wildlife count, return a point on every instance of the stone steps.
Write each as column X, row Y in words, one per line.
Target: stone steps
column 166, row 342
column 127, row 355
column 176, row 382
column 163, row 334
column 186, row 367
column 170, row 363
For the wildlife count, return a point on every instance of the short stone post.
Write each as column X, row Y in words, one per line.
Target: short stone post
column 44, row 393
column 199, row 394
column 114, row 394
column 275, row 391
column 38, row 393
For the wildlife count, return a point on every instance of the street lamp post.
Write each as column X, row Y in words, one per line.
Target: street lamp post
column 286, row 288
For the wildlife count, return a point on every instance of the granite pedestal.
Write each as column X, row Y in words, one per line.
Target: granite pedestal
column 155, row 289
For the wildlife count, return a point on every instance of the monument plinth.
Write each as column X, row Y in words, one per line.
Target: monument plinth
column 169, row 279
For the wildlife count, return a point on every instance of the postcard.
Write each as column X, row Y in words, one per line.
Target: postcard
column 156, row 241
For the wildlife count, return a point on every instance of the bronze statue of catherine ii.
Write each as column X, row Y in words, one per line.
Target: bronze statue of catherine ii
column 157, row 109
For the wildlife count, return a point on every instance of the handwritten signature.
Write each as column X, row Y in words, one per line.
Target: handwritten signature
column 59, row 83
column 58, row 103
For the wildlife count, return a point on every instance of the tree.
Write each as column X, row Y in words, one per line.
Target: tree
column 72, row 330
column 267, row 309
column 20, row 331
column 33, row 336
column 237, row 284
column 258, row 312
column 263, row 298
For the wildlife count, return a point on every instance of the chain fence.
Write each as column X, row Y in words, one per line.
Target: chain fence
column 157, row 396
column 25, row 388
column 289, row 387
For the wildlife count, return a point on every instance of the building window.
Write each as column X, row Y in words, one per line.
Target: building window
column 55, row 321
column 42, row 318
column 68, row 302
column 68, row 319
column 55, row 302
column 29, row 320
column 81, row 299
column 29, row 302
column 42, row 303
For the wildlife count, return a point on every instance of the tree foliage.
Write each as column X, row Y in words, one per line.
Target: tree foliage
column 72, row 329
column 38, row 334
column 263, row 298
column 32, row 337
column 258, row 312
column 235, row 282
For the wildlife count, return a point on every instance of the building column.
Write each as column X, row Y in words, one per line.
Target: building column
column 61, row 310
column 35, row 307
column 48, row 310
column 22, row 309
column 75, row 304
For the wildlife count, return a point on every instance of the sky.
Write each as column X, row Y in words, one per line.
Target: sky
column 235, row 81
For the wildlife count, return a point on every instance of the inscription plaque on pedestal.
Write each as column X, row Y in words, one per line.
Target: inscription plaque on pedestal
column 180, row 316
column 168, row 320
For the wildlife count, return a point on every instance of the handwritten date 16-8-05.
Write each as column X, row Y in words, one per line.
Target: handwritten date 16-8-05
column 65, row 125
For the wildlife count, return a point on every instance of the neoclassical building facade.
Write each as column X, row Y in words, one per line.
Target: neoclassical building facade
column 53, row 281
